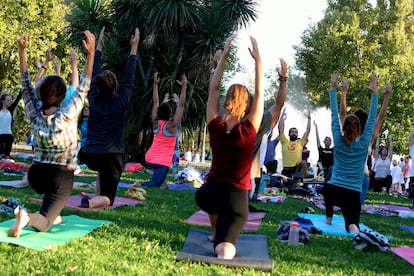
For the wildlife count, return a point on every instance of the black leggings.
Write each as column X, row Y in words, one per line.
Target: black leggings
column 231, row 205
column 6, row 143
column 348, row 200
column 56, row 185
column 109, row 167
column 378, row 183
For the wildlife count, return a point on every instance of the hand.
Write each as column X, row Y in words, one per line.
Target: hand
column 37, row 63
column 344, row 85
column 373, row 84
column 254, row 51
column 388, row 90
column 57, row 65
column 308, row 114
column 48, row 55
column 72, row 58
column 157, row 79
column 227, row 45
column 183, row 82
column 166, row 98
column 283, row 71
column 176, row 99
column 22, row 41
column 334, row 80
column 135, row 39
column 89, row 43
column 314, row 123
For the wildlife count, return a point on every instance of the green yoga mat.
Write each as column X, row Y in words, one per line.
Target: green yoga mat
column 73, row 227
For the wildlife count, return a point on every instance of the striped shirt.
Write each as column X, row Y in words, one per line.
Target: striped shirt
column 55, row 135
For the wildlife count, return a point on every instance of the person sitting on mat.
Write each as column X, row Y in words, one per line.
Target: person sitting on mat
column 350, row 153
column 56, row 147
column 232, row 136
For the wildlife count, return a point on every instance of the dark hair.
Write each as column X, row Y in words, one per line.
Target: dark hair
column 3, row 96
column 290, row 129
column 351, row 128
column 52, row 91
column 362, row 116
column 164, row 111
column 106, row 83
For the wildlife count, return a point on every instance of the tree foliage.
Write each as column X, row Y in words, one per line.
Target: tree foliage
column 356, row 38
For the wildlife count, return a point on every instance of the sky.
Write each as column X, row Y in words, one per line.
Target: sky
column 279, row 26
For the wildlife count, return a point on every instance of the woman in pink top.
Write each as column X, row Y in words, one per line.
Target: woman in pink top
column 159, row 156
column 225, row 194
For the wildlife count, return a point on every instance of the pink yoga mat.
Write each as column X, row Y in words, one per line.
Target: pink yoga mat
column 253, row 221
column 406, row 253
column 74, row 202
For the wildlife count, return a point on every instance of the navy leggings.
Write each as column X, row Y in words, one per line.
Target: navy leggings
column 347, row 199
column 109, row 166
column 231, row 205
column 6, row 143
column 56, row 184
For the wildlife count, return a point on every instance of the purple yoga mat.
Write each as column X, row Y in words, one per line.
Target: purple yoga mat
column 252, row 224
column 395, row 208
column 406, row 253
column 74, row 202
column 408, row 228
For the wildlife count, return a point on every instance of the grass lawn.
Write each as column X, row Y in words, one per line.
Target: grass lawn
column 143, row 240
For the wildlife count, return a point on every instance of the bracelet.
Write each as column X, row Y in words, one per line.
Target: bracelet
column 43, row 67
column 212, row 71
column 282, row 79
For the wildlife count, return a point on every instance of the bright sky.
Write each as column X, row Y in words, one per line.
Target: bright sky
column 278, row 28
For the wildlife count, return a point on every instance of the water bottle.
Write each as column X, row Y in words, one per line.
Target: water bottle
column 293, row 233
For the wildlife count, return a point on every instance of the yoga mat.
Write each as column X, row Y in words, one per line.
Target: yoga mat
column 73, row 227
column 252, row 251
column 408, row 228
column 336, row 229
column 395, row 208
column 252, row 224
column 406, row 253
column 12, row 183
column 180, row 187
column 75, row 200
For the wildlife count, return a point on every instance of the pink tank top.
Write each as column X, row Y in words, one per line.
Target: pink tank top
column 162, row 148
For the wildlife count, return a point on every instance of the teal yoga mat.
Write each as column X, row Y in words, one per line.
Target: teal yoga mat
column 73, row 227
column 336, row 229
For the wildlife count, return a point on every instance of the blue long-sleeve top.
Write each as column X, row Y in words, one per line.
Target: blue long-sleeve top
column 349, row 160
column 106, row 124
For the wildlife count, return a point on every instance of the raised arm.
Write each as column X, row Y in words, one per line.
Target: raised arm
column 308, row 126
column 391, row 147
column 318, row 141
column 74, row 65
column 281, row 94
column 381, row 115
column 376, row 150
column 281, row 125
column 57, row 65
column 256, row 110
column 214, row 86
column 89, row 46
column 342, row 104
column 155, row 100
column 411, row 140
column 98, row 58
column 180, row 106
column 42, row 67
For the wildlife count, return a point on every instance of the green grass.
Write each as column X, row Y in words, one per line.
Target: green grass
column 143, row 240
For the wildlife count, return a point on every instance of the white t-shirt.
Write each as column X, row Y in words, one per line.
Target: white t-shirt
column 396, row 174
column 382, row 167
column 5, row 122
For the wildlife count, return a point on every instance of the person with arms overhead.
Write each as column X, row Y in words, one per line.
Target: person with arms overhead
column 104, row 147
column 232, row 136
column 56, row 147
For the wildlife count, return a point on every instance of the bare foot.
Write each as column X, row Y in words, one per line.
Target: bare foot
column 22, row 219
column 24, row 182
column 58, row 220
column 353, row 229
column 328, row 221
column 136, row 184
column 225, row 250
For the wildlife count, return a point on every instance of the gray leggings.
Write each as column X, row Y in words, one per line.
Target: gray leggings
column 231, row 205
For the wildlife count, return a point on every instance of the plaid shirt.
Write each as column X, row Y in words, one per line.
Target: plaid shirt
column 56, row 136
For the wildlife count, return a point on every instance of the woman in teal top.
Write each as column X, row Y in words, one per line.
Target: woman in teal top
column 350, row 153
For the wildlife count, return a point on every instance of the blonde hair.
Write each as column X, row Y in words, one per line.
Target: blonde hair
column 237, row 100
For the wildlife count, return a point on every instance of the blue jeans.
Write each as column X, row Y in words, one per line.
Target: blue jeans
column 158, row 177
column 364, row 189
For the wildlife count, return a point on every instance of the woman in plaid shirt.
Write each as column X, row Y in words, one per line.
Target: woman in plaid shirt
column 55, row 130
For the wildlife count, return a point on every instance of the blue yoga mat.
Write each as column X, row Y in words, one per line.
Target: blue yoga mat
column 73, row 227
column 336, row 229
